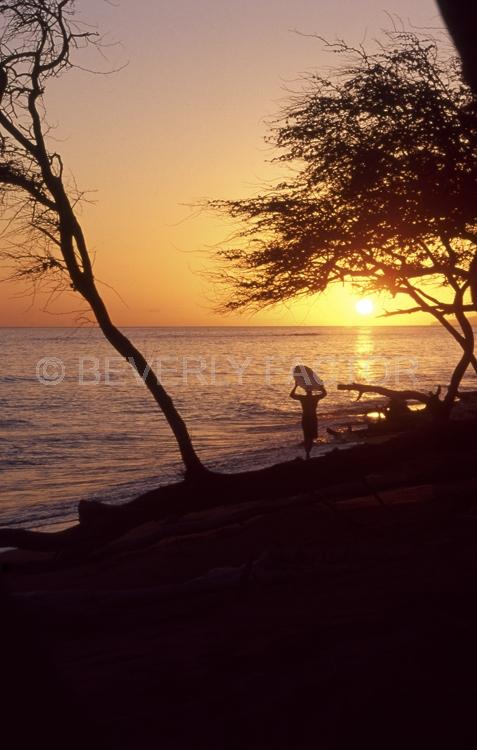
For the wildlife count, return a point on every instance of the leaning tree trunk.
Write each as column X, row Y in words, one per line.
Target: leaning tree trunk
column 468, row 350
column 453, row 387
column 78, row 264
column 473, row 280
column 68, row 234
column 126, row 349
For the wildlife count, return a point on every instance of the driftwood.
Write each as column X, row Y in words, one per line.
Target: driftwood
column 429, row 454
column 409, row 395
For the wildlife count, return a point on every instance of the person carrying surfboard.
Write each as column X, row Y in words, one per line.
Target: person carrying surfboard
column 309, row 403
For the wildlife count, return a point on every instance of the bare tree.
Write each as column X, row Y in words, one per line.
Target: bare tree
column 37, row 41
column 381, row 193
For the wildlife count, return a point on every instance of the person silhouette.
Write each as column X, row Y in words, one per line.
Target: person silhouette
column 309, row 420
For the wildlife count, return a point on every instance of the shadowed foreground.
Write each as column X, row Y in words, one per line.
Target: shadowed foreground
column 442, row 456
column 293, row 622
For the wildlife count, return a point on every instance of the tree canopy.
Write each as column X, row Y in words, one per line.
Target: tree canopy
column 382, row 159
column 383, row 177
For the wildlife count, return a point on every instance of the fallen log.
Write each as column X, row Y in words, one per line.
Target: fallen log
column 409, row 395
column 435, row 454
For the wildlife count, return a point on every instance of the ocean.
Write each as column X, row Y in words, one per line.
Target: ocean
column 76, row 423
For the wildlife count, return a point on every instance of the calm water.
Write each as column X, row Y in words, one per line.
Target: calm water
column 97, row 434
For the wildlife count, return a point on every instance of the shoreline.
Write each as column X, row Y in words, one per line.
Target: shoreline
column 344, row 616
column 405, row 459
column 53, row 435
column 121, row 494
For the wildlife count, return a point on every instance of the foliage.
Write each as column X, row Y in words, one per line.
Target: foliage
column 383, row 178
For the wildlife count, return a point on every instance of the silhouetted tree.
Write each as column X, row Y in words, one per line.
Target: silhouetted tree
column 382, row 161
column 37, row 40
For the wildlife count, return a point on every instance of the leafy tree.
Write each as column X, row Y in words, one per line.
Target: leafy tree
column 38, row 39
column 382, row 159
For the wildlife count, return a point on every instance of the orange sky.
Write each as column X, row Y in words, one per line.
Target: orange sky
column 183, row 121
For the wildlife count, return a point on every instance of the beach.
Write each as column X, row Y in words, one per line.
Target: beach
column 308, row 619
column 305, row 627
column 77, row 424
column 238, row 402
column 274, row 602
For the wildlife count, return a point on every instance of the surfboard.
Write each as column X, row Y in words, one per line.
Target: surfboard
column 305, row 377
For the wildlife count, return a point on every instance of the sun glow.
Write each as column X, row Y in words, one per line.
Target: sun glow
column 364, row 306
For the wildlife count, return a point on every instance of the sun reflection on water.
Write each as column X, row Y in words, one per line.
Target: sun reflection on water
column 364, row 348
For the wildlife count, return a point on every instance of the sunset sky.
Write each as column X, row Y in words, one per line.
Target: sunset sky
column 183, row 121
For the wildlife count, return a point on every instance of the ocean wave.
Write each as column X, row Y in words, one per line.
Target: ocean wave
column 37, row 517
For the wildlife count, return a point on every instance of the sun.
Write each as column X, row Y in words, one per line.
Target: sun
column 364, row 306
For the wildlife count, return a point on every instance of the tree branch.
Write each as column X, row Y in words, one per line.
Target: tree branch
column 409, row 395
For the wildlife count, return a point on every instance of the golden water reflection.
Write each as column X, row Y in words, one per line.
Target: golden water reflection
column 363, row 359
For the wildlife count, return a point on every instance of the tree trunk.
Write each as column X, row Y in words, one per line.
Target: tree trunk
column 83, row 282
column 441, row 409
column 457, row 375
column 193, row 466
column 473, row 280
column 468, row 347
column 75, row 254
